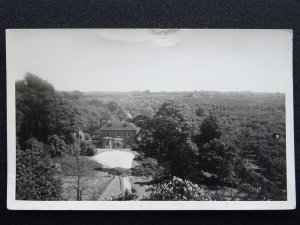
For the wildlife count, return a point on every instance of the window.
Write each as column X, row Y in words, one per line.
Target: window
column 128, row 134
column 117, row 133
column 107, row 134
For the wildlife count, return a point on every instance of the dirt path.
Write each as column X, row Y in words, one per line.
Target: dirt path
column 126, row 183
column 114, row 159
column 112, row 189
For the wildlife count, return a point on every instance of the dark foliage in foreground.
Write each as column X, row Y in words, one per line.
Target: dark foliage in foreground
column 35, row 174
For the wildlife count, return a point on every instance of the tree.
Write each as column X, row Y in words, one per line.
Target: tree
column 184, row 160
column 92, row 125
column 199, row 112
column 78, row 183
column 41, row 111
column 117, row 110
column 35, row 174
column 169, row 130
column 220, row 162
column 209, row 130
column 166, row 137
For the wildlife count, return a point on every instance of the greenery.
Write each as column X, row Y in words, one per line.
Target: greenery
column 222, row 140
column 35, row 174
column 87, row 149
column 177, row 189
column 220, row 162
column 209, row 130
column 56, row 146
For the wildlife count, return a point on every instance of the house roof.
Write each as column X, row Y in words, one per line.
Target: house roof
column 118, row 126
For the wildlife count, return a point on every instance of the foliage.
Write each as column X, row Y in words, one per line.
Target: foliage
column 163, row 133
column 170, row 124
column 117, row 110
column 177, row 189
column 220, row 161
column 35, row 174
column 257, row 188
column 183, row 161
column 199, row 112
column 166, row 137
column 57, row 146
column 87, row 148
column 41, row 111
column 127, row 195
column 209, row 130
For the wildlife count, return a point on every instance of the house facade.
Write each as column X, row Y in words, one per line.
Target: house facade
column 115, row 135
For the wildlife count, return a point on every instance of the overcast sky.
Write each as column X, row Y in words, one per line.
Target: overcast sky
column 126, row 60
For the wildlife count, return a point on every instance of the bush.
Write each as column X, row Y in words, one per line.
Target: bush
column 56, row 146
column 35, row 175
column 177, row 189
column 257, row 188
column 87, row 149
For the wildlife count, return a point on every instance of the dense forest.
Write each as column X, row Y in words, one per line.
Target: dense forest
column 212, row 140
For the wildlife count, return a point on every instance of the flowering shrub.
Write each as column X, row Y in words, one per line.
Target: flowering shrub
column 177, row 189
column 124, row 196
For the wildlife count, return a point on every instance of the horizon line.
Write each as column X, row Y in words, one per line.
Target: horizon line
column 181, row 91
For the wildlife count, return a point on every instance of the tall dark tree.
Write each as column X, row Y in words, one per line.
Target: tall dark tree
column 170, row 130
column 166, row 137
column 209, row 130
column 41, row 111
column 220, row 161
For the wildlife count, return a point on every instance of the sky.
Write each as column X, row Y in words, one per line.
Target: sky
column 141, row 59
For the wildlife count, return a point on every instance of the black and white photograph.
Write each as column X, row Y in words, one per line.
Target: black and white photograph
column 150, row 119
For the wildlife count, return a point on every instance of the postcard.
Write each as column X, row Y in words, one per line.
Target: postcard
column 150, row 119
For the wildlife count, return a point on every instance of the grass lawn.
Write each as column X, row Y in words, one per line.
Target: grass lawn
column 98, row 181
column 92, row 182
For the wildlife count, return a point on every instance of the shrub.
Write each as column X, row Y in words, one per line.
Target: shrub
column 87, row 149
column 35, row 175
column 177, row 189
column 56, row 146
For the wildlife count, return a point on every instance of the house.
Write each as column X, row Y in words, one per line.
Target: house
column 115, row 135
